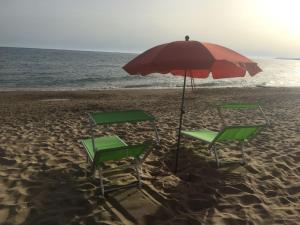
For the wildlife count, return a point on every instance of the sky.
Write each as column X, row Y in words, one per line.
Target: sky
column 266, row 28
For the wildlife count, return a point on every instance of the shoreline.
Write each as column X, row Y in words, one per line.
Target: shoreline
column 146, row 88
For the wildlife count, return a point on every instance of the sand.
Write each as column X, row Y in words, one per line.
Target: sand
column 44, row 177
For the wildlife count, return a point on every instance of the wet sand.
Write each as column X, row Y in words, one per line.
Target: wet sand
column 43, row 169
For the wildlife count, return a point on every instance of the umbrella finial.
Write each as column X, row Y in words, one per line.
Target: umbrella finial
column 187, row 37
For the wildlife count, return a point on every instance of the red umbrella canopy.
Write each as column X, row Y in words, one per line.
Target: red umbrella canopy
column 196, row 59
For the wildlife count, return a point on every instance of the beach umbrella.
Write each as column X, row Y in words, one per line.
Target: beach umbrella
column 191, row 59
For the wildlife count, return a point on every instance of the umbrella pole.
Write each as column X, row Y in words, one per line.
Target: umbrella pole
column 180, row 122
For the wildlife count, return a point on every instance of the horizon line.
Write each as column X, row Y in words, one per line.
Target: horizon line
column 125, row 52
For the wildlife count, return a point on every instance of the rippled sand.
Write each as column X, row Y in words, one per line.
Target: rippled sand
column 43, row 172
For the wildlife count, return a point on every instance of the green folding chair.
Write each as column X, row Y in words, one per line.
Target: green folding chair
column 107, row 148
column 227, row 134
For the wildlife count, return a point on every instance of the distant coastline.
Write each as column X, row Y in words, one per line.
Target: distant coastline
column 283, row 58
column 74, row 50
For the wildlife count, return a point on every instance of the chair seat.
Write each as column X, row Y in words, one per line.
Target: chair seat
column 202, row 134
column 102, row 144
column 229, row 133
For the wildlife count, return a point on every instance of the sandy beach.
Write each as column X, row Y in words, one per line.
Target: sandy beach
column 43, row 171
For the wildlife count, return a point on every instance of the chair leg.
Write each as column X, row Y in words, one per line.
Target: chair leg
column 101, row 181
column 156, row 133
column 138, row 173
column 243, row 161
column 210, row 150
column 93, row 171
column 216, row 155
column 87, row 165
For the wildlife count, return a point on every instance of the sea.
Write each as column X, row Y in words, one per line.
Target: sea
column 48, row 69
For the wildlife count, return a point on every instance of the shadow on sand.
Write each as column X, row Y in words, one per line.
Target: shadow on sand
column 190, row 197
column 66, row 196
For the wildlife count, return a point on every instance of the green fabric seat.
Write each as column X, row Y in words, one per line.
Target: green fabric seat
column 227, row 134
column 102, row 144
column 203, row 134
column 107, row 148
column 111, row 148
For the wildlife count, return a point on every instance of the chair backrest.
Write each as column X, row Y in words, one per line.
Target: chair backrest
column 241, row 106
column 114, row 117
column 121, row 152
column 237, row 133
